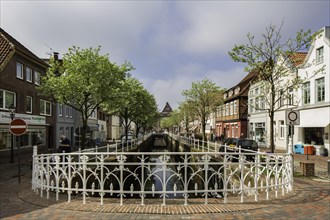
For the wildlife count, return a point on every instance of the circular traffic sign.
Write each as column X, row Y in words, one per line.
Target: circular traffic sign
column 292, row 116
column 17, row 127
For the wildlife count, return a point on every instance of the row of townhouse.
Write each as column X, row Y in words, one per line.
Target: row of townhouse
column 20, row 72
column 243, row 114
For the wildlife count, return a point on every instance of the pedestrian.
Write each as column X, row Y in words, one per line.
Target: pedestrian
column 64, row 145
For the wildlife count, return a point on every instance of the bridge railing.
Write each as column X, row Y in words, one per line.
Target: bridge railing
column 164, row 175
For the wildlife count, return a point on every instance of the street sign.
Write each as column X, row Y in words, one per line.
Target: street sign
column 17, row 127
column 292, row 117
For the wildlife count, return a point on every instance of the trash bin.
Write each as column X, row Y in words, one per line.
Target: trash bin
column 298, row 149
column 309, row 150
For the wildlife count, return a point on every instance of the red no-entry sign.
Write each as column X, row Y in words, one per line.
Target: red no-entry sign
column 17, row 127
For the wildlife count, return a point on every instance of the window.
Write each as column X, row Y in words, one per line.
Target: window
column 7, row 99
column 235, row 107
column 28, row 74
column 320, row 92
column 282, row 127
column 306, row 93
column 251, row 106
column 70, row 112
column 45, row 107
column 19, row 70
column 227, row 109
column 28, row 104
column 60, row 110
column 231, row 108
column 66, row 111
column 290, row 96
column 257, row 91
column 262, row 104
column 257, row 107
column 37, row 78
column 281, row 98
column 319, row 55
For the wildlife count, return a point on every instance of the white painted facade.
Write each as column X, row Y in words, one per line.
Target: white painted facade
column 314, row 110
column 315, row 93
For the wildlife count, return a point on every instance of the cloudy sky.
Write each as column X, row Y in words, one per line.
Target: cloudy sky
column 170, row 43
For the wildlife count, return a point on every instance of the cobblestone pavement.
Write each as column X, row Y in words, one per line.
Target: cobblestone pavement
column 310, row 199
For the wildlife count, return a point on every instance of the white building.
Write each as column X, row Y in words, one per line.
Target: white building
column 312, row 100
column 286, row 98
column 314, row 94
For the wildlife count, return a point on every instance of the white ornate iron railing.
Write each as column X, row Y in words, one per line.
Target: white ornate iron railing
column 161, row 174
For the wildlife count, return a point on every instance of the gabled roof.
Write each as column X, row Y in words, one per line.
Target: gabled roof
column 167, row 108
column 16, row 46
column 243, row 85
column 325, row 33
column 7, row 50
column 298, row 58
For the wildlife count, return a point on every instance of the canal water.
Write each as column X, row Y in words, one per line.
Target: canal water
column 159, row 177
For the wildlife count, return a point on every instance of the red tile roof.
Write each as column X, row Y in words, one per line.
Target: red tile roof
column 298, row 58
column 7, row 49
column 17, row 47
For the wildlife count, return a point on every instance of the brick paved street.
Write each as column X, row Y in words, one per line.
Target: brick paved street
column 309, row 200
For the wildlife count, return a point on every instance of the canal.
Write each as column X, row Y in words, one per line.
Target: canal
column 162, row 173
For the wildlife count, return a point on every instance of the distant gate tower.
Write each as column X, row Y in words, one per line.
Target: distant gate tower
column 165, row 113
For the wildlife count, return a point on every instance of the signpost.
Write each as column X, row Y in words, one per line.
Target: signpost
column 18, row 127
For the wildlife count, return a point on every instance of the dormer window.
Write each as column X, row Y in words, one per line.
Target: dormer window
column 225, row 95
column 230, row 93
column 237, row 89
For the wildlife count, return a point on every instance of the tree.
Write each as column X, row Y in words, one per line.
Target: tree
column 273, row 60
column 186, row 114
column 204, row 98
column 83, row 80
column 145, row 114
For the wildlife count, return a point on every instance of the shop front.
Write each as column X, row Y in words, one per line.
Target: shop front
column 36, row 134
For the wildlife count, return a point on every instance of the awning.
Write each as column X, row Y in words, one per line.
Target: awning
column 93, row 127
column 313, row 118
column 193, row 128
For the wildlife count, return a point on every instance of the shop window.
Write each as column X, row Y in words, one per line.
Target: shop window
column 314, row 136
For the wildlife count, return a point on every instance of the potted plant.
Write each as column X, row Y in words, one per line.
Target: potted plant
column 323, row 151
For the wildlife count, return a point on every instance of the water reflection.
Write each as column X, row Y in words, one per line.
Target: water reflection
column 162, row 174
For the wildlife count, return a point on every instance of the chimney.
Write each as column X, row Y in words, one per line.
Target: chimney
column 55, row 55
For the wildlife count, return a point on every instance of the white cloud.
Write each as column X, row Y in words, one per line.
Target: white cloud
column 171, row 43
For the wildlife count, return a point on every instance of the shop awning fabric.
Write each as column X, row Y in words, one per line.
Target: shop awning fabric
column 312, row 118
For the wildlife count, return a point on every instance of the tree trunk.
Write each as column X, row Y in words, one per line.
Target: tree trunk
column 272, row 144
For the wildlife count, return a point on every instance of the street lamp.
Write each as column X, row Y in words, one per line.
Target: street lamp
column 12, row 116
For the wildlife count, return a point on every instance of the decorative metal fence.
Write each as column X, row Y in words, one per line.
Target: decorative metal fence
column 164, row 175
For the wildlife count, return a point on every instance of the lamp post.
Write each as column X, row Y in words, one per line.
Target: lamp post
column 12, row 116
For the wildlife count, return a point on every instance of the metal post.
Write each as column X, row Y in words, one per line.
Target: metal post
column 19, row 159
column 12, row 116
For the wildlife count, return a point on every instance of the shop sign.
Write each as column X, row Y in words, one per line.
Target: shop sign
column 29, row 119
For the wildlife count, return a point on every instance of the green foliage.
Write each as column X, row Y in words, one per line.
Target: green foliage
column 135, row 104
column 276, row 64
column 204, row 97
column 83, row 80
